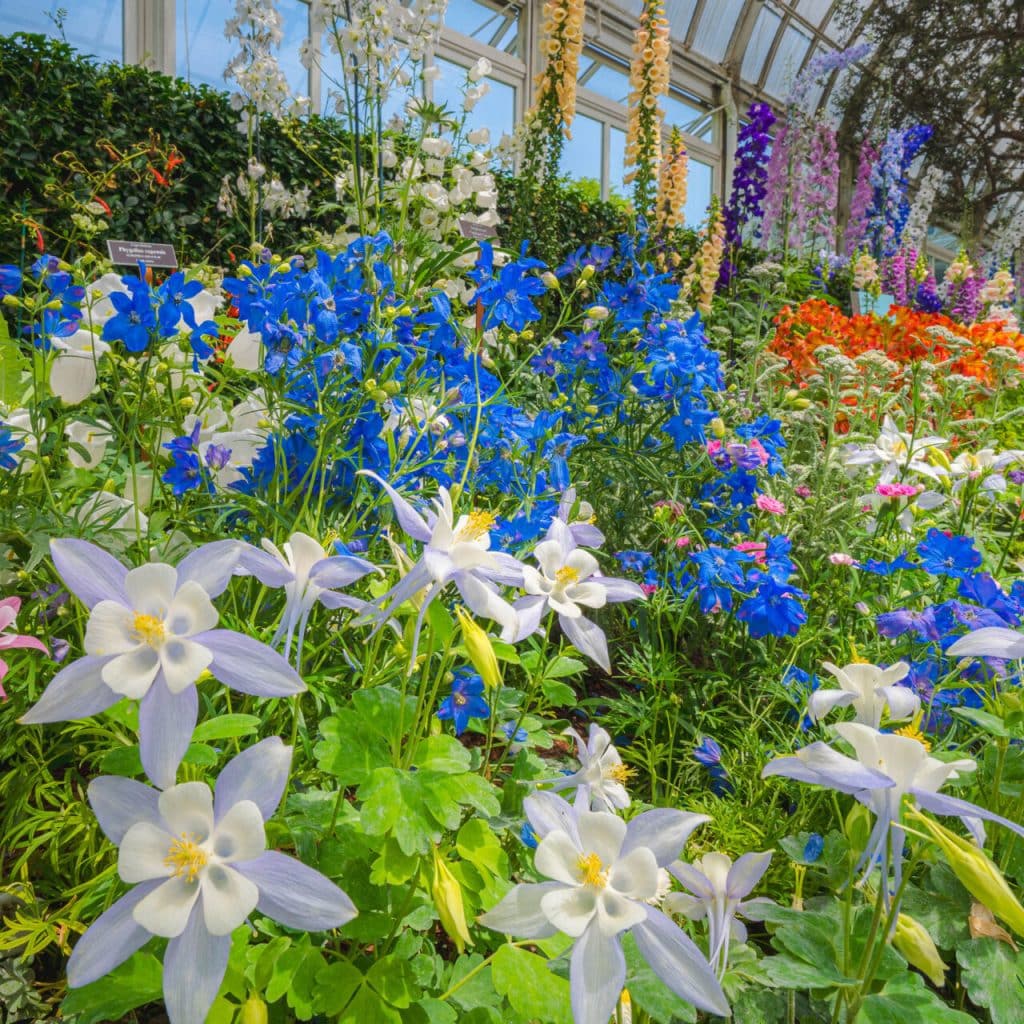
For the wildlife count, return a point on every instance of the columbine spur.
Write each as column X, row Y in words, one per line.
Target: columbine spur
column 200, row 867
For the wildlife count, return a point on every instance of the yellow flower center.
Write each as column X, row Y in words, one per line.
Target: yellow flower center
column 619, row 773
column 186, row 857
column 149, row 629
column 913, row 732
column 592, row 870
column 477, row 524
column 567, row 574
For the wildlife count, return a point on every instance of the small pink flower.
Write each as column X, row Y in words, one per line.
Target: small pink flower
column 803, row 491
column 9, row 607
column 762, row 454
column 839, row 558
column 713, row 447
column 896, row 490
column 682, row 542
column 756, row 548
column 648, row 588
column 771, row 505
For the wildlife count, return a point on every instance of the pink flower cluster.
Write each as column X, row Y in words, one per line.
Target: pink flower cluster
column 9, row 607
column 898, row 490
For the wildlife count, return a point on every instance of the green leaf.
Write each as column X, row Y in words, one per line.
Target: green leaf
column 349, row 750
column 392, row 866
column 443, row 754
column 788, row 972
column 367, row 1006
column 908, row 1000
column 650, row 993
column 335, row 984
column 993, row 975
column 122, row 761
column 563, row 666
column 477, row 843
column 201, row 754
column 525, row 980
column 268, row 956
column 558, row 693
column 12, row 366
column 989, row 722
column 432, row 1011
column 392, row 978
column 225, row 727
column 136, row 982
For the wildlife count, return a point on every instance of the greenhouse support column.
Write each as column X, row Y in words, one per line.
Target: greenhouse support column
column 149, row 34
column 729, row 134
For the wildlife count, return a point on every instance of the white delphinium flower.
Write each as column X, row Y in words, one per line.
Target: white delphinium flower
column 73, row 373
column 869, row 690
column 93, row 437
column 602, row 874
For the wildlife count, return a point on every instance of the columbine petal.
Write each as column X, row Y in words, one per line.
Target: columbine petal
column 989, row 642
column 616, row 913
column 77, row 691
column 188, row 809
column 547, row 812
column 484, row 601
column 820, row 765
column 194, row 967
column 940, row 803
column 191, row 611
column 110, row 630
column 110, row 939
column 89, row 572
column 240, row 835
column 165, row 911
column 746, row 873
column 694, row 879
column 119, row 803
column 248, row 666
column 597, row 972
column 557, row 856
column 821, row 702
column 570, row 908
column 228, row 898
column 143, row 852
column 258, row 774
column 340, row 571
column 131, row 674
column 617, row 590
column 183, row 661
column 601, row 833
column 679, row 963
column 663, row 831
column 265, row 567
column 295, row 894
column 210, row 567
column 903, row 702
column 587, row 638
column 151, row 588
column 520, row 912
column 407, row 517
column 166, row 722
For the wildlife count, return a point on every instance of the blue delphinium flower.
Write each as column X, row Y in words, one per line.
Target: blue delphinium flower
column 514, row 735
column 775, row 610
column 813, row 848
column 635, row 561
column 506, row 298
column 134, row 318
column 944, row 555
column 10, row 279
column 528, row 836
column 173, row 296
column 9, row 447
column 922, row 624
column 719, row 571
column 883, row 568
column 465, row 701
column 709, row 754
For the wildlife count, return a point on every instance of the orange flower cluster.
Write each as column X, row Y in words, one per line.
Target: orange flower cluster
column 902, row 335
column 648, row 80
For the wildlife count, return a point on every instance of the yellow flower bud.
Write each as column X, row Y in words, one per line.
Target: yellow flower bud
column 937, row 457
column 527, row 335
column 479, row 648
column 587, row 272
column 978, row 875
column 598, row 313
column 549, row 279
column 254, row 1011
column 911, row 938
column 717, row 426
column 447, row 896
column 186, row 402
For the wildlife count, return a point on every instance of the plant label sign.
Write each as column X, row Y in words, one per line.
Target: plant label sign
column 479, row 232
column 153, row 254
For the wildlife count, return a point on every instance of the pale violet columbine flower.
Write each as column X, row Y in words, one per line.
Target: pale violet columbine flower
column 200, row 866
column 151, row 633
column 886, row 769
column 600, row 780
column 985, row 466
column 717, row 888
column 456, row 550
column 869, row 690
column 897, row 452
column 583, row 530
column 989, row 642
column 568, row 581
column 308, row 576
column 602, row 873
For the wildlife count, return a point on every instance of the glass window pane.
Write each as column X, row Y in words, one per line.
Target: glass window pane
column 616, row 162
column 581, row 157
column 93, row 27
column 496, row 111
column 698, row 192
column 681, row 113
column 607, row 79
column 761, row 40
column 787, row 61
column 679, row 14
column 202, row 52
column 332, row 93
column 497, row 26
column 814, row 10
column 717, row 22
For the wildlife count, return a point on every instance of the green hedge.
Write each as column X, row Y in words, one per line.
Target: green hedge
column 64, row 117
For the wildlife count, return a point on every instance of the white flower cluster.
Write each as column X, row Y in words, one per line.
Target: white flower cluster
column 915, row 231
column 263, row 89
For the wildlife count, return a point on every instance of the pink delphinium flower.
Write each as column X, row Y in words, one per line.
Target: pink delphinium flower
column 896, row 490
column 9, row 607
column 770, row 505
column 803, row 491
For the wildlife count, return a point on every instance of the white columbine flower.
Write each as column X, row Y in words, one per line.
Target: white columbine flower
column 602, row 873
column 897, row 452
column 870, row 690
column 569, row 580
column 200, row 867
column 599, row 782
column 716, row 890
